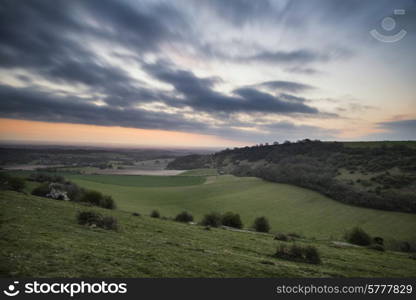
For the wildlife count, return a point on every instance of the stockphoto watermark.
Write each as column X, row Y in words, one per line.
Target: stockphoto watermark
column 70, row 288
column 391, row 33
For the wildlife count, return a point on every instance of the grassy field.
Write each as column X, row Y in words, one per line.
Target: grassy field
column 200, row 172
column 289, row 208
column 40, row 237
column 141, row 181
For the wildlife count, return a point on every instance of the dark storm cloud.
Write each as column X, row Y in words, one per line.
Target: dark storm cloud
column 288, row 86
column 49, row 40
column 280, row 131
column 38, row 33
column 287, row 57
column 402, row 128
column 295, row 60
column 199, row 94
column 271, row 103
column 395, row 130
column 35, row 104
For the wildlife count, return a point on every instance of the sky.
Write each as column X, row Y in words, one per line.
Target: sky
column 215, row 73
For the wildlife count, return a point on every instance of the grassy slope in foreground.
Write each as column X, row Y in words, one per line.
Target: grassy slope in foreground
column 40, row 237
column 289, row 208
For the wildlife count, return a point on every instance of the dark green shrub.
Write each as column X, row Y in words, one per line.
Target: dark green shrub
column 295, row 252
column 378, row 240
column 92, row 218
column 405, row 246
column 88, row 217
column 74, row 192
column 184, row 217
column 358, row 236
column 92, row 197
column 109, row 222
column 212, row 219
column 136, row 214
column 16, row 183
column 281, row 237
column 41, row 190
column 261, row 224
column 155, row 214
column 312, row 255
column 402, row 246
column 98, row 199
column 107, row 202
column 231, row 219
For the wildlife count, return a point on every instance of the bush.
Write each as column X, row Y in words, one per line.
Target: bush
column 98, row 199
column 405, row 246
column 92, row 197
column 92, row 218
column 378, row 240
column 184, row 217
column 358, row 236
column 155, row 214
column 212, row 219
column 74, row 192
column 109, row 222
column 88, row 217
column 261, row 224
column 281, row 237
column 295, row 252
column 41, row 190
column 402, row 246
column 107, row 202
column 231, row 219
column 17, row 183
column 312, row 255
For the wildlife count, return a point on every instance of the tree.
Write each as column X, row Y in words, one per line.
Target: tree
column 212, row 219
column 232, row 220
column 261, row 224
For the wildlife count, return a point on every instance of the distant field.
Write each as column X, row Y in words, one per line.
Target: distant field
column 379, row 143
column 289, row 208
column 200, row 172
column 40, row 237
column 140, row 181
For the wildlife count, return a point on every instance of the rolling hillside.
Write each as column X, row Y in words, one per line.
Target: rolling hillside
column 40, row 237
column 289, row 208
column 383, row 174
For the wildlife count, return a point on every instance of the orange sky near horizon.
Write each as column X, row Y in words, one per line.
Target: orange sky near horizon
column 12, row 130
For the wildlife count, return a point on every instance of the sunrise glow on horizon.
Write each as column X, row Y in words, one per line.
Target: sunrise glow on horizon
column 19, row 131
